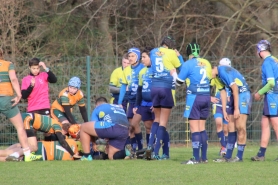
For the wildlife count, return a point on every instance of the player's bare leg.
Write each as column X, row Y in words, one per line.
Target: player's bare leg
column 111, row 151
column 86, row 131
column 137, row 131
column 22, row 136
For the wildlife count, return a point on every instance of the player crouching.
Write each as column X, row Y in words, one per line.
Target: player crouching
column 108, row 121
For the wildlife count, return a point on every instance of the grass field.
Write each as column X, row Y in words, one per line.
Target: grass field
column 145, row 172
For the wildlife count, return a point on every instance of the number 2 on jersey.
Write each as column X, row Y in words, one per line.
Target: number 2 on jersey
column 204, row 73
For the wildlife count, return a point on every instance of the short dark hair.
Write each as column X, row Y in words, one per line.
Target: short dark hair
column 34, row 62
column 101, row 100
column 169, row 41
column 147, row 50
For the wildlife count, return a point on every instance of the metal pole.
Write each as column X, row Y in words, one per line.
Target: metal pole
column 88, row 89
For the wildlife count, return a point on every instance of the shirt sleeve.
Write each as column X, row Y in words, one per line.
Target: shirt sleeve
column 114, row 81
column 184, row 72
column 267, row 70
column 123, row 79
column 94, row 116
column 24, row 84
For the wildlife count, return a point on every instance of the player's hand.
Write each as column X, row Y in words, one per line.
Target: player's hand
column 15, row 100
column 43, row 65
column 121, row 105
column 257, row 97
column 135, row 110
column 33, row 81
column 236, row 113
column 214, row 99
column 177, row 52
column 225, row 115
column 152, row 108
column 95, row 148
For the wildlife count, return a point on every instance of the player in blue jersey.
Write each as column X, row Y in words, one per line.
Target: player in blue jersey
column 115, row 82
column 270, row 91
column 236, row 116
column 164, row 62
column 221, row 123
column 197, row 73
column 143, row 106
column 108, row 121
column 129, row 81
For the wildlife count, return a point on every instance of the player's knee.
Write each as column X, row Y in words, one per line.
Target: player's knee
column 241, row 131
column 131, row 129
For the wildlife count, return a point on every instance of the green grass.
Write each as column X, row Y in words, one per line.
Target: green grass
column 145, row 172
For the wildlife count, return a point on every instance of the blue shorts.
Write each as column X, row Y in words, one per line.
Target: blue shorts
column 162, row 97
column 146, row 113
column 245, row 103
column 270, row 105
column 116, row 133
column 218, row 113
column 197, row 107
column 129, row 113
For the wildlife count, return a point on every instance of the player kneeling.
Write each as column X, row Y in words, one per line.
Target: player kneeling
column 108, row 121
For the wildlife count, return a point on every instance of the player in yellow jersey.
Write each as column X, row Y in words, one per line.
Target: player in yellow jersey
column 8, row 104
column 164, row 62
column 115, row 82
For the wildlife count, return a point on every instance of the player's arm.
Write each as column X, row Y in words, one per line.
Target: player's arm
column 69, row 114
column 234, row 88
column 113, row 89
column 26, row 91
column 182, row 75
column 15, row 84
column 51, row 77
column 63, row 142
column 114, row 81
column 83, row 112
column 124, row 84
column 122, row 94
column 269, row 85
column 267, row 70
column 138, row 96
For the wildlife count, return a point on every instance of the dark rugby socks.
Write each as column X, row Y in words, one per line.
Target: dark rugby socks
column 133, row 143
column 119, row 155
column 230, row 144
column 261, row 152
column 147, row 138
column 166, row 144
column 204, row 144
column 152, row 137
column 240, row 150
column 160, row 134
column 221, row 138
column 196, row 145
column 139, row 139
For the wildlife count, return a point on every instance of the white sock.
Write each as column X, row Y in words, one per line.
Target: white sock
column 26, row 151
column 15, row 154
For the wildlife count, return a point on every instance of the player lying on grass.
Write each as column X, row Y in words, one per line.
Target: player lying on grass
column 32, row 122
